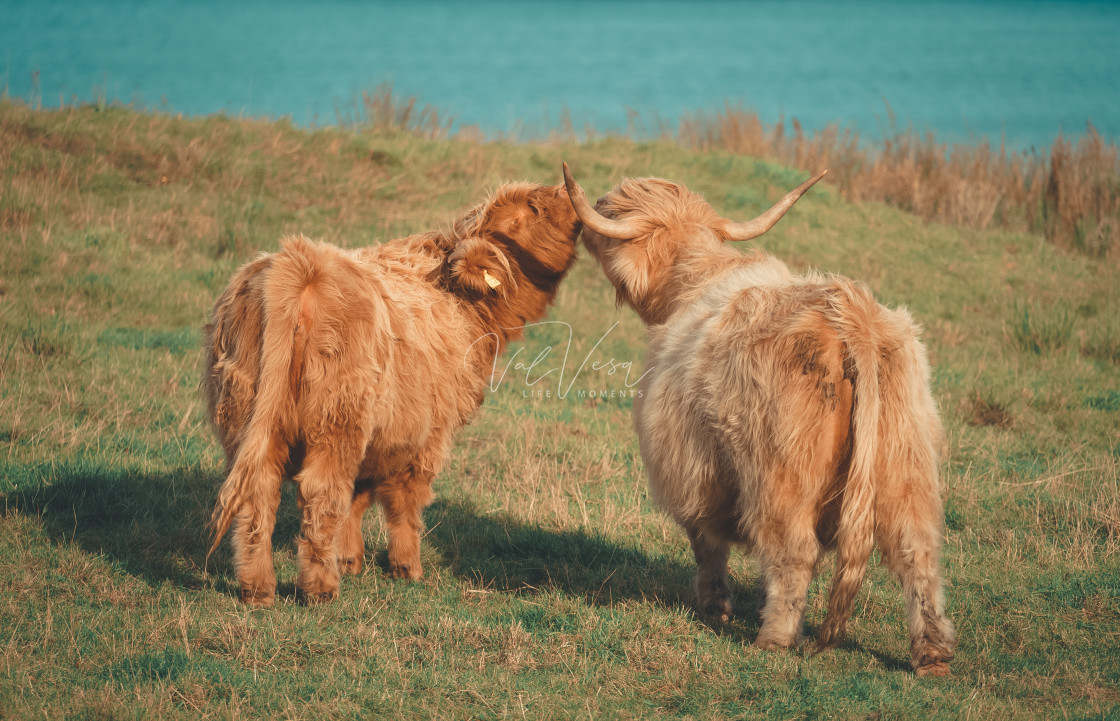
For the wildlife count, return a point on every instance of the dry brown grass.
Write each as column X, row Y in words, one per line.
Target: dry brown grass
column 382, row 111
column 1070, row 193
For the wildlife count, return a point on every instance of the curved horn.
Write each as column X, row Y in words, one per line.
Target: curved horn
column 766, row 221
column 617, row 229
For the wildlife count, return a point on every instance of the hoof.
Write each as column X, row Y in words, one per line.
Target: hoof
column 934, row 669
column 350, row 566
column 315, row 598
column 257, row 597
column 716, row 609
column 406, row 571
column 774, row 644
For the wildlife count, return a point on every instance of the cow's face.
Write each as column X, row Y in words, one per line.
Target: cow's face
column 640, row 246
column 632, row 265
column 655, row 238
column 538, row 226
column 525, row 232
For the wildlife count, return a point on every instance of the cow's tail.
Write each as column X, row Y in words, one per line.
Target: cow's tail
column 855, row 534
column 290, row 307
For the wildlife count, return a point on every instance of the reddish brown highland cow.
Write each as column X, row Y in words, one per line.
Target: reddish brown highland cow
column 349, row 372
column 784, row 413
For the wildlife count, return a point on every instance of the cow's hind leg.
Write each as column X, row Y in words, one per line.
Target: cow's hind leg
column 350, row 544
column 326, row 488
column 252, row 540
column 788, row 552
column 909, row 539
column 713, row 596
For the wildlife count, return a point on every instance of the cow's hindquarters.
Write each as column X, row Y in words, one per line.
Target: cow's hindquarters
column 319, row 324
column 791, row 446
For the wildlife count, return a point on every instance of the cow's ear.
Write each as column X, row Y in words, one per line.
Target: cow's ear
column 480, row 266
column 632, row 268
column 511, row 219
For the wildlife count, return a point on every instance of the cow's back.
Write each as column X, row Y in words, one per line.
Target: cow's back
column 428, row 378
column 746, row 407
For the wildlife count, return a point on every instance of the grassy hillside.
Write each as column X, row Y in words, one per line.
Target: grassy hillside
column 553, row 588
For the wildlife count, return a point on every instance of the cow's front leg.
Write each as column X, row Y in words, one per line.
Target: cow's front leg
column 713, row 596
column 403, row 498
column 349, row 543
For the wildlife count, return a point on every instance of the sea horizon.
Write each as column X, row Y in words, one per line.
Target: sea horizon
column 1019, row 74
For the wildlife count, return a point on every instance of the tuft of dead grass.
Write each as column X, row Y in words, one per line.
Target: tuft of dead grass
column 988, row 412
column 384, row 111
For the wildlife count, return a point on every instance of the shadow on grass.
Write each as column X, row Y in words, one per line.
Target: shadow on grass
column 506, row 555
column 154, row 524
column 503, row 554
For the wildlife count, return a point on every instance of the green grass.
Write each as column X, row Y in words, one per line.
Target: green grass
column 553, row 588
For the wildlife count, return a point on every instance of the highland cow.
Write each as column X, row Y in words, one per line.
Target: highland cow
column 784, row 413
column 349, row 372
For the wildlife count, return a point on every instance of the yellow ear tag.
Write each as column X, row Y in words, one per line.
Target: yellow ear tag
column 490, row 280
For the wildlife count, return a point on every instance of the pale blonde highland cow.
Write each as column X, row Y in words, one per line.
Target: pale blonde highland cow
column 350, row 372
column 784, row 413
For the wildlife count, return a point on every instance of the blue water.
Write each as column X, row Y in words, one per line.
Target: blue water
column 1025, row 71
